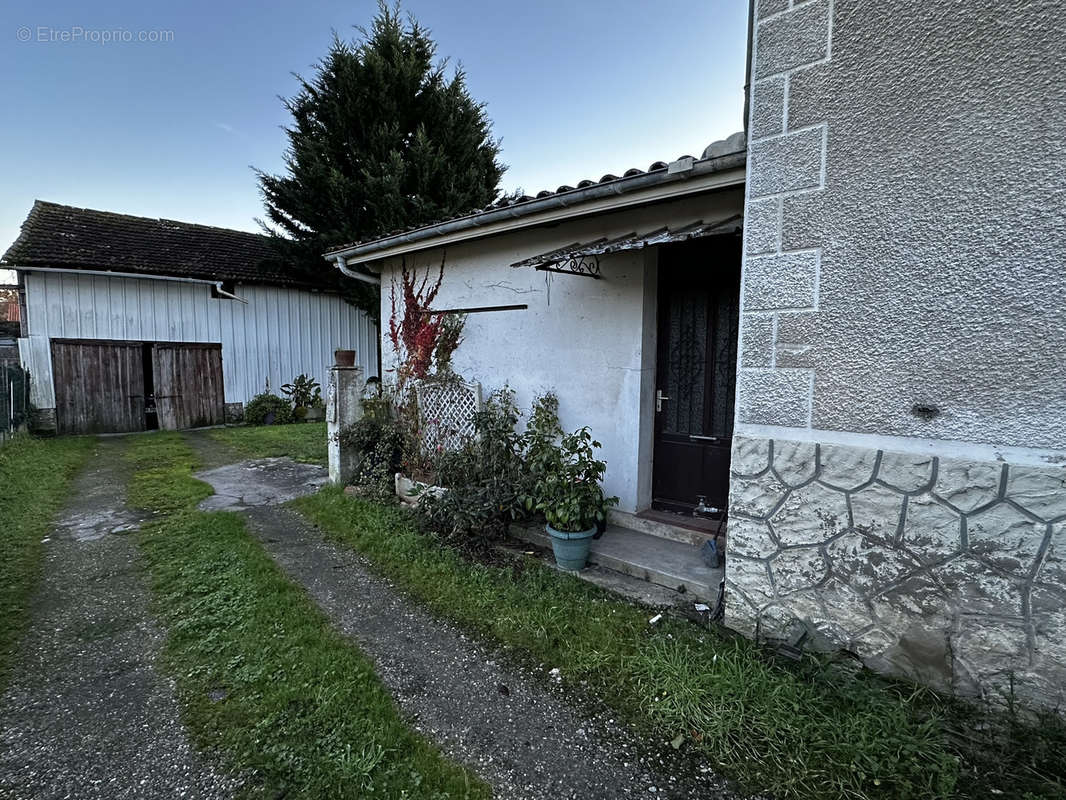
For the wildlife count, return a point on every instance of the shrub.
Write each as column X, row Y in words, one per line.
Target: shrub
column 260, row 407
column 378, row 442
column 485, row 478
column 567, row 489
column 303, row 391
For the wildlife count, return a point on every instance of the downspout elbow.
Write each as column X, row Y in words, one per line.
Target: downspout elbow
column 359, row 276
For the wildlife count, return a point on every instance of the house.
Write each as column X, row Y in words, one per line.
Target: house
column 133, row 323
column 879, row 395
column 621, row 295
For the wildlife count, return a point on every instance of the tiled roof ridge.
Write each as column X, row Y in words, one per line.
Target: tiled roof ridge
column 734, row 143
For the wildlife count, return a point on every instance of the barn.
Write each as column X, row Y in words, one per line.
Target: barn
column 130, row 323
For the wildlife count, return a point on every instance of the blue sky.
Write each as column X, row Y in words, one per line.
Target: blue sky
column 171, row 128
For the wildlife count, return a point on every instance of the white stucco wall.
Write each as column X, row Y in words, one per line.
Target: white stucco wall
column 590, row 341
column 277, row 335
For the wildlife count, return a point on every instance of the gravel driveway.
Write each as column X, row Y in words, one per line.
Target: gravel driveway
column 520, row 733
column 87, row 715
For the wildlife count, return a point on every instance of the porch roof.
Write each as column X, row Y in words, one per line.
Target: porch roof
column 574, row 258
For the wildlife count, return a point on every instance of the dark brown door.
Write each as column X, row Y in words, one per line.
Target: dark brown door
column 99, row 386
column 699, row 295
column 188, row 385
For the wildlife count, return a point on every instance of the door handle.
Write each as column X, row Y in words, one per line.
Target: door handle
column 659, row 397
column 697, row 438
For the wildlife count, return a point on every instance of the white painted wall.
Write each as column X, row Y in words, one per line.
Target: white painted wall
column 279, row 334
column 591, row 341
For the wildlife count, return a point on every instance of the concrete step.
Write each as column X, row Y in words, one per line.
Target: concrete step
column 667, row 526
column 641, row 555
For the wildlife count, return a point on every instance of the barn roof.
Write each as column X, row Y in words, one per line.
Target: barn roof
column 55, row 236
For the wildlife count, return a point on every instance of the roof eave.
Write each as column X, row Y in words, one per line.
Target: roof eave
column 705, row 174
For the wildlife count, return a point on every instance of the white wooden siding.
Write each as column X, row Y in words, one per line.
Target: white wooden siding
column 278, row 335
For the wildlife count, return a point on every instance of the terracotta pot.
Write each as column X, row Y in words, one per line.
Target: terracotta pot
column 344, row 358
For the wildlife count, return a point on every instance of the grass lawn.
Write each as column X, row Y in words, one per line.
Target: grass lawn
column 34, row 475
column 809, row 730
column 262, row 677
column 301, row 442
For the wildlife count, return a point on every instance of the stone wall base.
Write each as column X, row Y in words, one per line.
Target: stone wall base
column 234, row 413
column 948, row 572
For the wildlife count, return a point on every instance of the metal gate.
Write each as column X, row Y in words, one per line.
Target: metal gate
column 14, row 397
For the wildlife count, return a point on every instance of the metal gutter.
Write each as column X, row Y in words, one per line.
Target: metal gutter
column 138, row 275
column 679, row 175
column 359, row 276
column 69, row 271
column 747, row 64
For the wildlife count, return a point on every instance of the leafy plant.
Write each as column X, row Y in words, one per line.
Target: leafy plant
column 567, row 490
column 378, row 442
column 413, row 328
column 302, row 391
column 262, row 406
column 542, row 436
column 448, row 340
column 485, row 478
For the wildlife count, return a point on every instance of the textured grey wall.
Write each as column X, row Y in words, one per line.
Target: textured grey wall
column 906, row 220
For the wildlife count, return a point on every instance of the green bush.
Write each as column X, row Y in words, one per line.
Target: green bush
column 486, row 478
column 260, row 407
column 378, row 442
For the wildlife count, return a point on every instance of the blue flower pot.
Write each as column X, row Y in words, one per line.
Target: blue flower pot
column 571, row 549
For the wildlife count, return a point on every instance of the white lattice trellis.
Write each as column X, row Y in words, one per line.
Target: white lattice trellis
column 446, row 413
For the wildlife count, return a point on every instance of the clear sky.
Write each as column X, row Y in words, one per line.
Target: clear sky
column 171, row 128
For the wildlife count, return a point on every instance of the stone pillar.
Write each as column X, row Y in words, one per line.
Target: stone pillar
column 344, row 407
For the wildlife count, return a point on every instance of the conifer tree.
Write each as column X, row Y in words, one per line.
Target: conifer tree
column 382, row 138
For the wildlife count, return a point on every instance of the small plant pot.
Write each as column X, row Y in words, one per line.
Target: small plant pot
column 344, row 358
column 571, row 549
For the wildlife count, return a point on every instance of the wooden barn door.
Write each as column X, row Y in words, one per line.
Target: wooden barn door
column 188, row 385
column 99, row 386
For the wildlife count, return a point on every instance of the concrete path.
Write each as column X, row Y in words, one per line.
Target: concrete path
column 263, row 482
column 87, row 715
column 526, row 738
column 523, row 736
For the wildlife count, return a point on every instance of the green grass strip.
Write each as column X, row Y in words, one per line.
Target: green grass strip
column 304, row 442
column 162, row 481
column 35, row 476
column 814, row 731
column 262, row 677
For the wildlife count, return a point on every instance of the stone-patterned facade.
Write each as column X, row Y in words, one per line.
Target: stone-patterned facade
column 949, row 572
column 895, row 299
